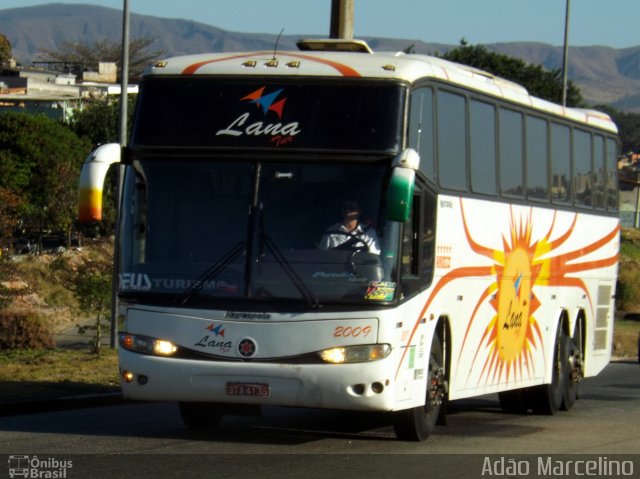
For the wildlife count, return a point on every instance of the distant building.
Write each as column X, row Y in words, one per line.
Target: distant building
column 57, row 89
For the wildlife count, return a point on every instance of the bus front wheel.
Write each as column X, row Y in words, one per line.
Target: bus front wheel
column 200, row 416
column 417, row 424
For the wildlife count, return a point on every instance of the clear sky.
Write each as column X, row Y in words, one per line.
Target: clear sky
column 614, row 23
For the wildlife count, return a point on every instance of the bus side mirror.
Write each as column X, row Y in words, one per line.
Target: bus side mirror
column 401, row 185
column 94, row 171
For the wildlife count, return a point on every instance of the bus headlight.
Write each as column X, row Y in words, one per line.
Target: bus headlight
column 355, row 354
column 164, row 348
column 146, row 345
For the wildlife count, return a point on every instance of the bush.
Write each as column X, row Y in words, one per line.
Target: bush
column 20, row 330
column 628, row 287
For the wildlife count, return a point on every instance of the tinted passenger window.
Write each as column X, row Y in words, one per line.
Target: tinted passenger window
column 482, row 137
column 537, row 182
column 510, row 153
column 612, row 174
column 582, row 168
column 599, row 194
column 421, row 130
column 428, row 238
column 452, row 145
column 560, row 163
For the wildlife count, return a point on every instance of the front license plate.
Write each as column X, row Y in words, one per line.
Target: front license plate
column 248, row 389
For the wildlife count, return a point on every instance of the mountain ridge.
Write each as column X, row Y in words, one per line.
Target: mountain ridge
column 605, row 75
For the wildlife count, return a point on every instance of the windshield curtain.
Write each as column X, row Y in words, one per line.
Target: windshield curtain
column 269, row 231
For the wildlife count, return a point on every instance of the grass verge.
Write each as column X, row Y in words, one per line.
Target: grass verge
column 27, row 375
column 626, row 335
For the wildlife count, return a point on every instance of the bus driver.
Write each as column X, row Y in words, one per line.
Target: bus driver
column 350, row 234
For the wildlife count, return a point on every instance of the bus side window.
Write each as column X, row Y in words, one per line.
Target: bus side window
column 421, row 130
column 582, row 168
column 599, row 179
column 511, row 153
column 410, row 273
column 612, row 174
column 418, row 241
column 428, row 238
column 140, row 221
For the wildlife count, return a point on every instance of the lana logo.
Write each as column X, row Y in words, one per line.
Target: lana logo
column 215, row 340
column 278, row 133
column 216, row 329
column 267, row 102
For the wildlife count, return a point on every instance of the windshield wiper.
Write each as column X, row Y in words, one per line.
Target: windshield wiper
column 212, row 271
column 297, row 281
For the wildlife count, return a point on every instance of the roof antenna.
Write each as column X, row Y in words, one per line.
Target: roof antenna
column 275, row 49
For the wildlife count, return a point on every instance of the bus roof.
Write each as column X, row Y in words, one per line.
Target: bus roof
column 355, row 60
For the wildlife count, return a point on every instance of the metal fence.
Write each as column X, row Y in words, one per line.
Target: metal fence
column 629, row 205
column 629, row 219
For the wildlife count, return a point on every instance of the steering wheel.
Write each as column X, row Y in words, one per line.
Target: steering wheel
column 355, row 244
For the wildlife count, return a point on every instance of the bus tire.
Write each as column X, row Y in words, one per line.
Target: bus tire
column 418, row 423
column 200, row 416
column 547, row 398
column 575, row 368
column 515, row 401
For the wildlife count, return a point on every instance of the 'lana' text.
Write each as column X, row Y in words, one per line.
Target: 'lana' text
column 239, row 127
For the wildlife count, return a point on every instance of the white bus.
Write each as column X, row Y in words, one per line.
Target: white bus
column 483, row 257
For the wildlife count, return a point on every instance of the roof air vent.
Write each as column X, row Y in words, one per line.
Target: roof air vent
column 334, row 45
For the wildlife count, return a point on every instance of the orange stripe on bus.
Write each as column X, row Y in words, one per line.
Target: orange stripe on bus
column 451, row 276
column 191, row 69
column 344, row 70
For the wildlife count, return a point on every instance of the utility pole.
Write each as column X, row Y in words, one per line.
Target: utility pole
column 565, row 56
column 124, row 99
column 341, row 19
column 124, row 81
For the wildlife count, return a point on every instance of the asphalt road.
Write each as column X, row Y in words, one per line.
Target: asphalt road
column 149, row 440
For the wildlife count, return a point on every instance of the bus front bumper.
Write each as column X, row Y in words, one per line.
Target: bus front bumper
column 358, row 386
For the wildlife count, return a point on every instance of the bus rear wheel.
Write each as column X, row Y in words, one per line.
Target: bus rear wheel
column 417, row 424
column 200, row 416
column 548, row 398
column 515, row 401
column 575, row 368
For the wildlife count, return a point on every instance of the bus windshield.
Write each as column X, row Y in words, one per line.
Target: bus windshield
column 198, row 229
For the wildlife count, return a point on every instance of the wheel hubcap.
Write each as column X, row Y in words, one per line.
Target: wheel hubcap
column 576, row 364
column 437, row 387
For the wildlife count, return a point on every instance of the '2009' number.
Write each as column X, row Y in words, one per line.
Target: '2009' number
column 348, row 331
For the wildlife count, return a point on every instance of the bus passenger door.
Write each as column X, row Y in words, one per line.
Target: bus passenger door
column 418, row 243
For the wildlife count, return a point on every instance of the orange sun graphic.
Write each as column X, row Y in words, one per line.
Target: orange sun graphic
column 513, row 333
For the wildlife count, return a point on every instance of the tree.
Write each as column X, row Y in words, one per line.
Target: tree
column 93, row 291
column 106, row 51
column 628, row 128
column 10, row 205
column 538, row 81
column 5, row 50
column 40, row 161
column 99, row 121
